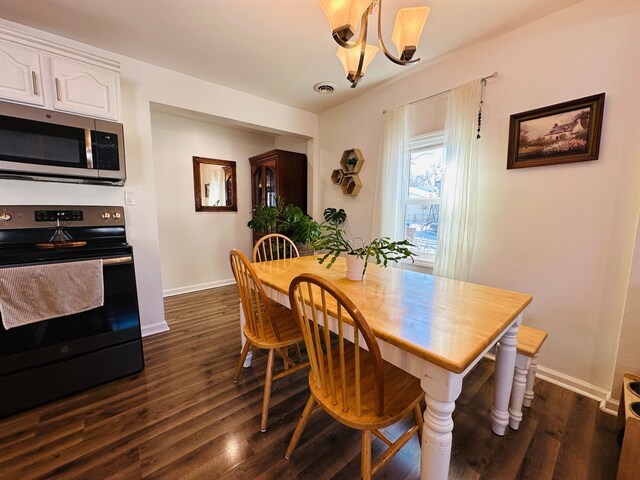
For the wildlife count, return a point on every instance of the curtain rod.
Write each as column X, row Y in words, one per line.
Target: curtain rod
column 420, row 100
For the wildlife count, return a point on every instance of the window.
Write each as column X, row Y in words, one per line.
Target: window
column 424, row 168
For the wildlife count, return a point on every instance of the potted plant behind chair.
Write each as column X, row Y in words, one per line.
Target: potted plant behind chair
column 300, row 228
column 334, row 241
column 264, row 217
column 288, row 220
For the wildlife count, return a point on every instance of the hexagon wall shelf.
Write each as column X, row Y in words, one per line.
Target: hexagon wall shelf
column 347, row 176
column 351, row 185
column 351, row 161
column 336, row 176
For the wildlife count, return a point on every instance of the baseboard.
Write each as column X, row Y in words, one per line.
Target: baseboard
column 154, row 328
column 610, row 406
column 576, row 385
column 195, row 288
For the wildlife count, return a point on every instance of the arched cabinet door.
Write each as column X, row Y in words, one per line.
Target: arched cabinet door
column 20, row 78
column 84, row 89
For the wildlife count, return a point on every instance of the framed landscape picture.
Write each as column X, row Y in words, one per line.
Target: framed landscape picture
column 563, row 133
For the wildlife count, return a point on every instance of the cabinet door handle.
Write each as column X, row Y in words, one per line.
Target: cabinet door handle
column 34, row 81
column 58, row 95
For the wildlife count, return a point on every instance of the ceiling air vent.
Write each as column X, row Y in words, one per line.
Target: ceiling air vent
column 324, row 88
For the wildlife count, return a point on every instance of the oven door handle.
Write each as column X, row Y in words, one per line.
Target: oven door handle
column 117, row 261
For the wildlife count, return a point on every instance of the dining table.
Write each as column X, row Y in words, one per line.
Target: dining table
column 435, row 328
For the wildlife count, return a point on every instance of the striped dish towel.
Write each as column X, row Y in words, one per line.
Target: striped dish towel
column 40, row 292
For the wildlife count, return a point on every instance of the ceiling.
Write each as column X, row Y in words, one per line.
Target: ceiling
column 276, row 49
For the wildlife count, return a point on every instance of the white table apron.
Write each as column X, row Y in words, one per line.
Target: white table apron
column 441, row 388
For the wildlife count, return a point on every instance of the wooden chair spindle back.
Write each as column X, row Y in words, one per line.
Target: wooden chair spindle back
column 274, row 246
column 315, row 301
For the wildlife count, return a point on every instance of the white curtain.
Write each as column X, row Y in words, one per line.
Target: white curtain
column 387, row 216
column 457, row 223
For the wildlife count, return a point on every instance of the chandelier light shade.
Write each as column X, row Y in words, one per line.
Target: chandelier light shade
column 407, row 30
column 350, row 58
column 347, row 17
column 344, row 16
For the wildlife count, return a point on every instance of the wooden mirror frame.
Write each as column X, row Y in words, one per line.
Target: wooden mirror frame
column 198, row 194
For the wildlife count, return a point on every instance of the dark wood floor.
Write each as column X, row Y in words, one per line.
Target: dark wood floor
column 183, row 418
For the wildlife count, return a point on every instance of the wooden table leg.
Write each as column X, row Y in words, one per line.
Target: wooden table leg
column 441, row 388
column 505, row 367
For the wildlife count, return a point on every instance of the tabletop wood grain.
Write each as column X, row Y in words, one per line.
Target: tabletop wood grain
column 447, row 322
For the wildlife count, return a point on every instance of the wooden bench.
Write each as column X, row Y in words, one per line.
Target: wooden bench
column 529, row 341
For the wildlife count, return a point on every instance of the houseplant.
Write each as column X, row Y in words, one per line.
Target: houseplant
column 333, row 241
column 288, row 220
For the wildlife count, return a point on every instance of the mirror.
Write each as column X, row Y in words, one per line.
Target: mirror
column 214, row 183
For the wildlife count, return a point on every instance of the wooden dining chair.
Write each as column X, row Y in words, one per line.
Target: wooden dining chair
column 268, row 325
column 352, row 384
column 274, row 246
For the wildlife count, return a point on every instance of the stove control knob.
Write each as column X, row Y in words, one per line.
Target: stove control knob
column 5, row 217
column 106, row 215
column 117, row 215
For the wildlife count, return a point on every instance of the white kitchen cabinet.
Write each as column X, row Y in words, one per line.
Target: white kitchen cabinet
column 39, row 72
column 84, row 89
column 20, row 74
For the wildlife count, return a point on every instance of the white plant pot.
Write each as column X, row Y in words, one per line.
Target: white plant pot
column 355, row 266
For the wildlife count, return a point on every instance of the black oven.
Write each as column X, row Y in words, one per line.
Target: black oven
column 51, row 358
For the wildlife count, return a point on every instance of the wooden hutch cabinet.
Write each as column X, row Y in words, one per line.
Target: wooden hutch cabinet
column 278, row 173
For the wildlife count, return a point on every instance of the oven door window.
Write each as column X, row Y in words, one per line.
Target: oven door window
column 117, row 321
column 33, row 142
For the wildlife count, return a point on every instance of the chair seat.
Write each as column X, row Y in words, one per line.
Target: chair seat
column 287, row 327
column 401, row 393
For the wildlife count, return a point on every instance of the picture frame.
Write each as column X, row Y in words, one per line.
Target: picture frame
column 562, row 133
column 214, row 185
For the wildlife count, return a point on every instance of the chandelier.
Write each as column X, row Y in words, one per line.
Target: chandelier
column 345, row 16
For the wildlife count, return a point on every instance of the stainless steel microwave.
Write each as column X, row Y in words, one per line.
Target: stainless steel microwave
column 39, row 144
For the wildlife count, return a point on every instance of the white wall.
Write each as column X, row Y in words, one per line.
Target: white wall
column 628, row 360
column 562, row 233
column 291, row 144
column 142, row 84
column 194, row 246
